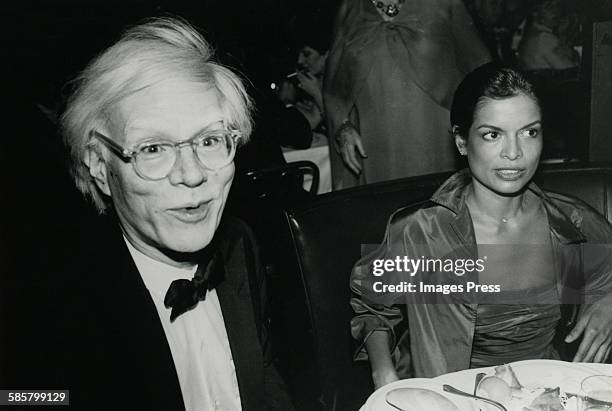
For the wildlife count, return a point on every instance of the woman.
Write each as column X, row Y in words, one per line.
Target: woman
column 531, row 244
column 390, row 74
column 311, row 64
column 303, row 93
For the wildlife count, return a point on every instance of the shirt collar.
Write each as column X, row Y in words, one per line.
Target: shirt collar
column 156, row 275
column 451, row 194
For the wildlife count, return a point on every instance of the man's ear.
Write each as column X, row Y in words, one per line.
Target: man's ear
column 97, row 168
column 460, row 141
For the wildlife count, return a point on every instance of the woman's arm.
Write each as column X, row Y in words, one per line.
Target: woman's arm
column 332, row 102
column 377, row 315
column 594, row 323
column 339, row 20
column 383, row 371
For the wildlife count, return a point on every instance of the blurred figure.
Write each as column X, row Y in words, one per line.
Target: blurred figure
column 293, row 124
column 546, row 52
column 390, row 74
column 311, row 68
column 542, row 47
column 499, row 22
column 302, row 90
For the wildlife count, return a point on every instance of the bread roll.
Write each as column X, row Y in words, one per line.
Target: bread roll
column 419, row 399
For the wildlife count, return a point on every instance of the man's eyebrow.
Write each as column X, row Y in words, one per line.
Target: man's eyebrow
column 216, row 125
column 150, row 133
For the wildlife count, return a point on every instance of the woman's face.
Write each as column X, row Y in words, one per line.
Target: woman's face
column 504, row 143
column 311, row 60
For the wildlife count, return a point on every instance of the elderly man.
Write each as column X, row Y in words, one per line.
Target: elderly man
column 168, row 313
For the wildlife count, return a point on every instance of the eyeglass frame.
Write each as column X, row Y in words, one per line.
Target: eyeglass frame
column 129, row 156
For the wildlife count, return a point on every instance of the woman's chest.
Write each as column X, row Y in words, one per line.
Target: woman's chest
column 517, row 257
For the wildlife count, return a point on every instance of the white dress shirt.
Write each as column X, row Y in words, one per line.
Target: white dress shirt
column 197, row 338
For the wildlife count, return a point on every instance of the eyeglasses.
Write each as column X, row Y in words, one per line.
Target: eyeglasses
column 154, row 160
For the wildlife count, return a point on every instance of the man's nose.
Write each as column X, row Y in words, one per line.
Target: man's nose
column 511, row 149
column 188, row 169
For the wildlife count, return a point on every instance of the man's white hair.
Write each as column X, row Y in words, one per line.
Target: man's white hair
column 156, row 50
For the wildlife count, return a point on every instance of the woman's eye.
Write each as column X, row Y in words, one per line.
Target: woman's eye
column 491, row 135
column 532, row 132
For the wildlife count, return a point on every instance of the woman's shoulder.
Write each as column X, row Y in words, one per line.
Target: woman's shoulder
column 569, row 202
column 582, row 215
column 417, row 217
column 414, row 211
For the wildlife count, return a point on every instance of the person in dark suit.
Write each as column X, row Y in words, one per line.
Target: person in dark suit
column 165, row 308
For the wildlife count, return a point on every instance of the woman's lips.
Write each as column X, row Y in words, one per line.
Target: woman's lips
column 509, row 174
column 191, row 214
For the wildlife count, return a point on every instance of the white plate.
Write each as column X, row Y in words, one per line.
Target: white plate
column 530, row 373
column 377, row 402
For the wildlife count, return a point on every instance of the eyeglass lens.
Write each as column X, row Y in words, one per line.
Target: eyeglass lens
column 156, row 160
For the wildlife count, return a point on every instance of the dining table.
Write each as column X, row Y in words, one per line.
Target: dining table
column 318, row 153
column 530, row 373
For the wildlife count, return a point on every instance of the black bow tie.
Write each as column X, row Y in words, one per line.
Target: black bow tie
column 183, row 295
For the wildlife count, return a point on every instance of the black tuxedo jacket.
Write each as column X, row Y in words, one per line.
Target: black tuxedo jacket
column 110, row 349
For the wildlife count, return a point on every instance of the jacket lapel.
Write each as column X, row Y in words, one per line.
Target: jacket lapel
column 240, row 323
column 121, row 340
column 148, row 353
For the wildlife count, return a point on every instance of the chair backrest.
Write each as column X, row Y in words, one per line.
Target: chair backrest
column 281, row 182
column 257, row 196
column 319, row 244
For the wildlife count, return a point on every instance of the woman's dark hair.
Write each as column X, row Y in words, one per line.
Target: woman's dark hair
column 487, row 81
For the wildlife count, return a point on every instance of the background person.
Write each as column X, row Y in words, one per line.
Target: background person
column 546, row 52
column 497, row 124
column 389, row 79
column 541, row 47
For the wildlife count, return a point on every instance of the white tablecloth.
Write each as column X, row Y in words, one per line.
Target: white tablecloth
column 464, row 380
column 467, row 376
column 318, row 153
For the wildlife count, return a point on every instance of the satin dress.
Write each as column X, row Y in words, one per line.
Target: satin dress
column 394, row 80
column 506, row 333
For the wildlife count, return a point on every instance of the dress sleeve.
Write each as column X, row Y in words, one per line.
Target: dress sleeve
column 373, row 310
column 470, row 50
column 335, row 108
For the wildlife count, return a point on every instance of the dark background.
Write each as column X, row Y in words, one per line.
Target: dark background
column 55, row 39
column 256, row 37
